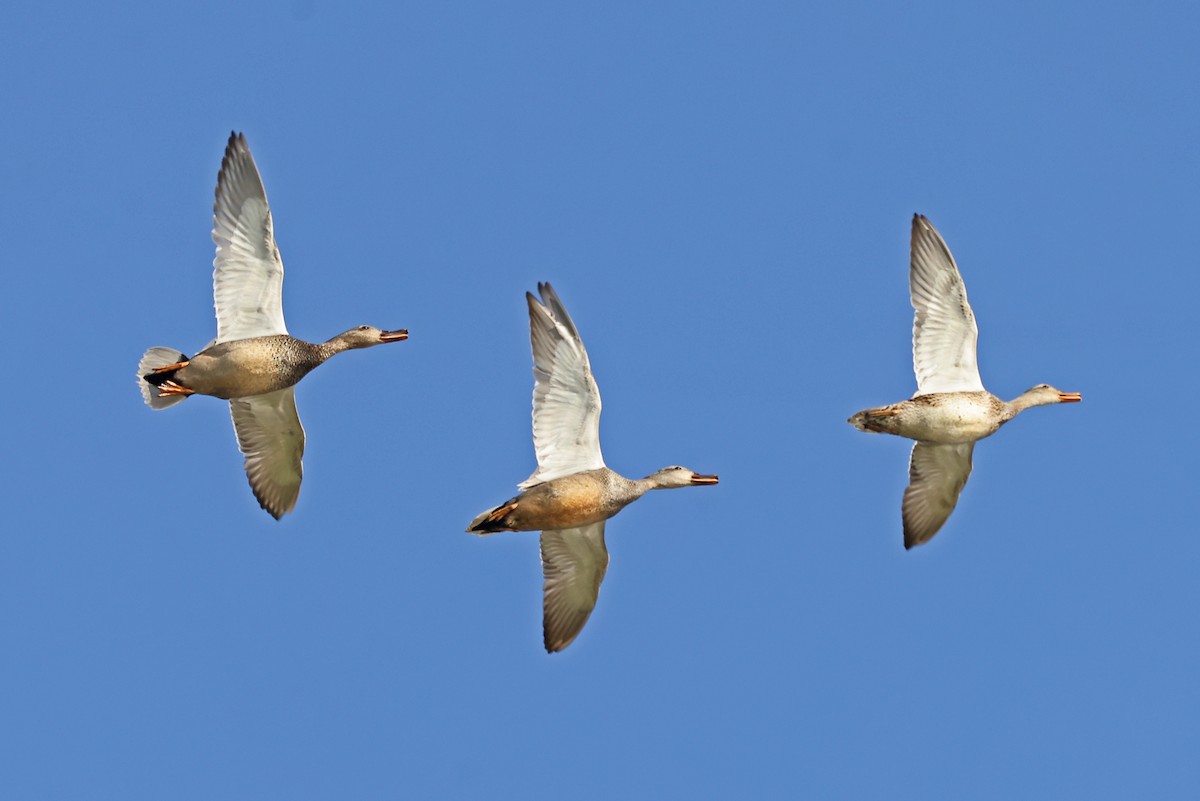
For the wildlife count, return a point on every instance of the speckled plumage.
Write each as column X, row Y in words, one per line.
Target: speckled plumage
column 951, row 410
column 244, row 367
column 949, row 417
column 574, row 500
column 253, row 362
column 571, row 493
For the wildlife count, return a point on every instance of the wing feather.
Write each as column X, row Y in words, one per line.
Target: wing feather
column 566, row 400
column 944, row 329
column 247, row 270
column 574, row 561
column 937, row 474
column 271, row 438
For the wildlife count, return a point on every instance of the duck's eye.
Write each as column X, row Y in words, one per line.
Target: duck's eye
column 364, row 328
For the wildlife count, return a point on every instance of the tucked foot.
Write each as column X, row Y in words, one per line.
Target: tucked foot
column 171, row 388
column 169, row 368
column 494, row 520
column 873, row 420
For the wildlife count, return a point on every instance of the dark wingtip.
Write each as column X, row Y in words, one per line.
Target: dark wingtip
column 231, row 147
column 235, row 139
column 262, row 502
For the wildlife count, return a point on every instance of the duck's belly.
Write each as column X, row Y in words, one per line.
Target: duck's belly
column 948, row 417
column 251, row 367
column 563, row 503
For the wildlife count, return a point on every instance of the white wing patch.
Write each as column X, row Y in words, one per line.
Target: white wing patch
column 247, row 270
column 566, row 400
column 944, row 330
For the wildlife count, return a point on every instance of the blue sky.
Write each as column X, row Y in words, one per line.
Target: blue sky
column 721, row 194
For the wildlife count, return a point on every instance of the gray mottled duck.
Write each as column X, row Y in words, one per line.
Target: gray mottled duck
column 951, row 410
column 253, row 363
column 571, row 493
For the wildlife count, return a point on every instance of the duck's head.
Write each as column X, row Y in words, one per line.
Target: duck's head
column 1044, row 394
column 366, row 336
column 676, row 476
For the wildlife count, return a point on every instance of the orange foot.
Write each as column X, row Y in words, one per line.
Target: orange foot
column 170, row 367
column 499, row 513
column 171, row 388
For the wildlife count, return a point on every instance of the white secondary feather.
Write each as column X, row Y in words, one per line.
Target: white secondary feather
column 574, row 561
column 271, row 438
column 566, row 400
column 944, row 330
column 247, row 271
column 936, row 477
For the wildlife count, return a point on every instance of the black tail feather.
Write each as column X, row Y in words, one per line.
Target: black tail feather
column 159, row 378
column 494, row 520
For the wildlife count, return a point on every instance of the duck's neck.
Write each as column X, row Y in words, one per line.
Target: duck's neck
column 1025, row 401
column 331, row 347
column 654, row 481
column 623, row 491
column 628, row 490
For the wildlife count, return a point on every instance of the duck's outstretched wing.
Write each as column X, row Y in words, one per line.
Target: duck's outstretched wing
column 574, row 561
column 944, row 330
column 247, row 271
column 566, row 400
column 937, row 474
column 271, row 438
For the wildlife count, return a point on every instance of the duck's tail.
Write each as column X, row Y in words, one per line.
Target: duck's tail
column 150, row 375
column 494, row 520
column 873, row 420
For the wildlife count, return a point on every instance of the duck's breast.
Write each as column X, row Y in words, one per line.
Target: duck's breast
column 950, row 417
column 565, row 502
column 245, row 367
